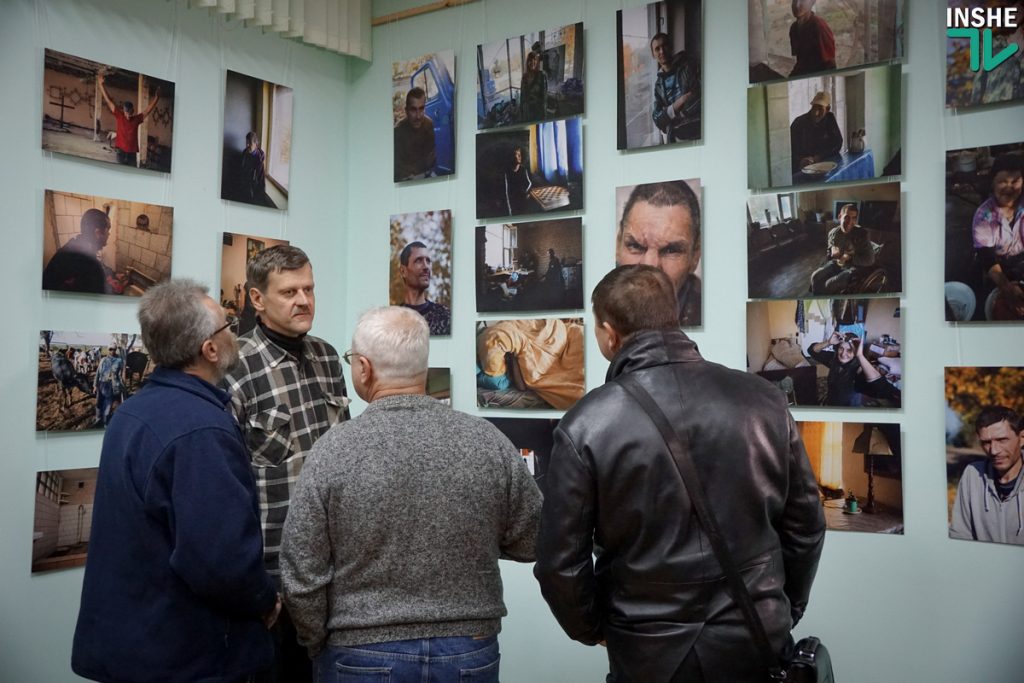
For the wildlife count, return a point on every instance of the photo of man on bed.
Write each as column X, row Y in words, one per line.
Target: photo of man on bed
column 527, row 364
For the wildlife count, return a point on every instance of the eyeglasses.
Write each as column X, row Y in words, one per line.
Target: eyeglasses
column 214, row 334
column 347, row 356
column 219, row 330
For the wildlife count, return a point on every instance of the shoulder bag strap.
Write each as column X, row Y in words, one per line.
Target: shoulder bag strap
column 688, row 471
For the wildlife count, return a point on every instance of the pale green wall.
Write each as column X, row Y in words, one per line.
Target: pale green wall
column 165, row 39
column 914, row 608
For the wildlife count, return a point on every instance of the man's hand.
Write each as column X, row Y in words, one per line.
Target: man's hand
column 680, row 102
column 835, row 338
column 270, row 618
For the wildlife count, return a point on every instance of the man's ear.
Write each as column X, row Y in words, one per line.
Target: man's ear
column 365, row 369
column 209, row 351
column 256, row 296
column 614, row 338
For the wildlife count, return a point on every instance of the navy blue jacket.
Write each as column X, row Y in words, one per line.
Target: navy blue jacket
column 174, row 586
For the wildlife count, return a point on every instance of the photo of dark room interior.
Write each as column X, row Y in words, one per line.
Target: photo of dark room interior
column 788, row 242
column 534, row 437
column 257, row 142
column 530, row 266
column 859, row 469
column 538, row 169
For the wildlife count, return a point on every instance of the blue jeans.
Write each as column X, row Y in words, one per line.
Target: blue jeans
column 428, row 660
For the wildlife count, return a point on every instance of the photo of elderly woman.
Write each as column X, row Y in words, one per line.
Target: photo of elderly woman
column 829, row 352
column 985, row 234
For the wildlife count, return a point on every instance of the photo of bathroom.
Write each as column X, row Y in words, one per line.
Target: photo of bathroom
column 63, row 520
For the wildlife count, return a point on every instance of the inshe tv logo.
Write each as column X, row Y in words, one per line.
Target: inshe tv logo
column 976, row 23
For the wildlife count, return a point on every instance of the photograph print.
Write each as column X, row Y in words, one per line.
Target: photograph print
column 533, row 77
column 439, row 384
column 535, row 266
column 423, row 115
column 825, row 129
column 984, row 438
column 257, row 142
column 421, row 266
column 98, row 245
column 533, row 437
column 859, row 469
column 106, row 113
column 824, row 242
column 968, row 83
column 85, row 376
column 659, row 224
column 793, row 38
column 660, row 59
column 985, row 234
column 537, row 169
column 829, row 352
column 236, row 252
column 529, row 364
column 63, row 518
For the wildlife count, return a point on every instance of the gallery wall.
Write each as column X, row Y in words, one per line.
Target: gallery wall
column 167, row 40
column 913, row 607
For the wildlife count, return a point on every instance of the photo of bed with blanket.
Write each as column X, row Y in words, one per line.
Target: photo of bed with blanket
column 527, row 364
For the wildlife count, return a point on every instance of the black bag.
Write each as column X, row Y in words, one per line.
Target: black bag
column 809, row 661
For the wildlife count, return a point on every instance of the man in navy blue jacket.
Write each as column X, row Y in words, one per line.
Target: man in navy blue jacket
column 175, row 588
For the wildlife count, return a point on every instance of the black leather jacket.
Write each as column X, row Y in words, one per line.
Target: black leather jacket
column 655, row 589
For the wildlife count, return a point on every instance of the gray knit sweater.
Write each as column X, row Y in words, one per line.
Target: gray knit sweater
column 397, row 524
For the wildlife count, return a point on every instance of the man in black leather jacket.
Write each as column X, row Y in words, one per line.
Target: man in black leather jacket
column 654, row 593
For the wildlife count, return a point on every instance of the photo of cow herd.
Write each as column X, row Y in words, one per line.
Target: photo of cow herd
column 85, row 376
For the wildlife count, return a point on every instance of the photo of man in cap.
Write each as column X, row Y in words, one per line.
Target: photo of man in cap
column 814, row 135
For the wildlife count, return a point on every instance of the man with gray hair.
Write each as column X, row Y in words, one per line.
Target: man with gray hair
column 175, row 588
column 391, row 546
column 286, row 391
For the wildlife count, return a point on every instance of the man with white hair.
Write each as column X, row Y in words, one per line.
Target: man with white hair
column 389, row 560
column 175, row 588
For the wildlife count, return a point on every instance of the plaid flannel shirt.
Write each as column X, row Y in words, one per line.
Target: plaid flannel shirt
column 283, row 405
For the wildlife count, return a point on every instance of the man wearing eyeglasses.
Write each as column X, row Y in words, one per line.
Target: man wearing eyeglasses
column 174, row 587
column 287, row 390
column 390, row 556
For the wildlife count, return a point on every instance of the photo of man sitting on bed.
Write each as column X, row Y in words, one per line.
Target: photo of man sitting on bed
column 527, row 364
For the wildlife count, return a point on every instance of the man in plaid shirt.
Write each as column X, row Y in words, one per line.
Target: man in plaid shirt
column 287, row 390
